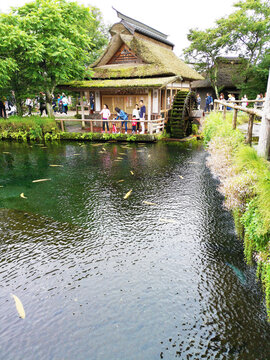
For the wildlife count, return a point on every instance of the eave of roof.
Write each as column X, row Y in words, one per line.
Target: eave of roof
column 123, row 83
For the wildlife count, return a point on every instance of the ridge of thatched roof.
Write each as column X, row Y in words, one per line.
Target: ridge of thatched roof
column 157, row 61
column 134, row 25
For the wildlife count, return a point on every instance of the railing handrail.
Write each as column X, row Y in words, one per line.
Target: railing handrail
column 236, row 107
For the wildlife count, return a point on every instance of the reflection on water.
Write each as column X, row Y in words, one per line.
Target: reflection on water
column 101, row 277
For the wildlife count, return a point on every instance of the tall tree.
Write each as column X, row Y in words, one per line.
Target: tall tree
column 63, row 34
column 244, row 33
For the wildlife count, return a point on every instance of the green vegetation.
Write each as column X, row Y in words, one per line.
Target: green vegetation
column 28, row 128
column 244, row 33
column 245, row 184
column 44, row 43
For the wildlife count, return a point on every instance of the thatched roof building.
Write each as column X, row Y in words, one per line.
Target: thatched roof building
column 228, row 78
column 139, row 63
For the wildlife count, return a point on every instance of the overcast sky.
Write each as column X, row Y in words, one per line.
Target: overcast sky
column 172, row 17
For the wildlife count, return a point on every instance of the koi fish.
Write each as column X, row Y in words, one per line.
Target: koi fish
column 40, row 180
column 22, row 196
column 19, row 306
column 149, row 203
column 132, row 173
column 128, row 194
column 54, row 165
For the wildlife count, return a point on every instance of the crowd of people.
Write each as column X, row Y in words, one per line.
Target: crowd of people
column 138, row 118
column 209, row 102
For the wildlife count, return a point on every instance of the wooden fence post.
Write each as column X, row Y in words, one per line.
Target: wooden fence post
column 235, row 111
column 224, row 112
column 250, row 127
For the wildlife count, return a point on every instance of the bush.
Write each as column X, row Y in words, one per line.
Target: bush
column 24, row 128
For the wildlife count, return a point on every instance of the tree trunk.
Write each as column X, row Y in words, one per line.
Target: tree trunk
column 49, row 103
column 264, row 139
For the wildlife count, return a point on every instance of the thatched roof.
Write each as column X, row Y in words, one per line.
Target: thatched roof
column 228, row 74
column 120, row 83
column 136, row 26
column 156, row 61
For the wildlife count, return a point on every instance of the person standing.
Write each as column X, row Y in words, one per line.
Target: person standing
column 142, row 115
column 136, row 115
column 2, row 109
column 244, row 100
column 65, row 104
column 42, row 103
column 198, row 102
column 105, row 112
column 123, row 116
column 29, row 104
column 208, row 101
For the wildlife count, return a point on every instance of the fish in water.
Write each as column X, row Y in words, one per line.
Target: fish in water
column 1, row 186
column 76, row 154
column 54, row 165
column 240, row 275
column 22, row 196
column 121, row 153
column 119, row 158
column 119, row 181
column 168, row 220
column 132, row 173
column 6, row 152
column 193, row 162
column 128, row 194
column 181, row 177
column 40, row 180
column 149, row 203
column 19, row 306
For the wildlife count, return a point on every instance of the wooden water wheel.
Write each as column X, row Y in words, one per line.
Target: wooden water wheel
column 180, row 116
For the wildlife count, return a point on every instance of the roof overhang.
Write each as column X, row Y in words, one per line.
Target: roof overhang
column 121, row 83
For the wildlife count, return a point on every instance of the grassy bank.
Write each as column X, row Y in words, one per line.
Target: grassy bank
column 28, row 128
column 245, row 184
column 36, row 128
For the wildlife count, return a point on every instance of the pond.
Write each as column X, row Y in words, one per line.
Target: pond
column 160, row 274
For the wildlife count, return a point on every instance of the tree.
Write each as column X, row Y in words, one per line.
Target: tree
column 61, row 34
column 204, row 51
column 245, row 33
column 19, row 52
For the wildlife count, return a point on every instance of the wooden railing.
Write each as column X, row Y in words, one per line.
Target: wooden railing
column 251, row 111
column 155, row 125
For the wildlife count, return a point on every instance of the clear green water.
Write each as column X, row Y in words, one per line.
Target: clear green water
column 101, row 277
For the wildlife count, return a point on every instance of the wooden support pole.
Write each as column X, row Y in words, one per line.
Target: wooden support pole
column 82, row 108
column 62, row 125
column 149, row 127
column 250, row 127
column 224, row 112
column 235, row 111
column 264, row 139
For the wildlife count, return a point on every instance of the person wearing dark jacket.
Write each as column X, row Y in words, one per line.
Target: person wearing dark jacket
column 2, row 109
column 208, row 102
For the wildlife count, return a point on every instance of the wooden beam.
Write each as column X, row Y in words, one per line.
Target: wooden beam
column 149, row 129
column 235, row 111
column 250, row 127
column 82, row 108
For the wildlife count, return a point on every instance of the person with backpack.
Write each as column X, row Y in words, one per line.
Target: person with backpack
column 65, row 104
column 123, row 116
